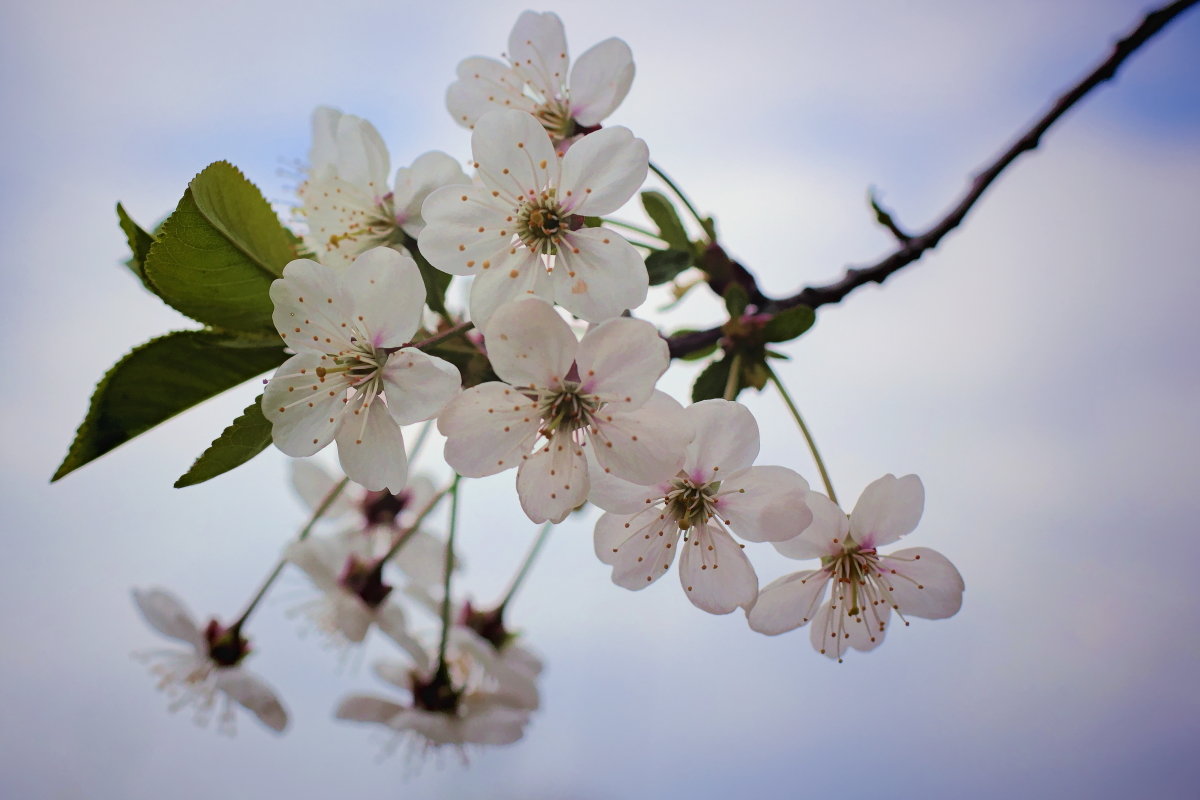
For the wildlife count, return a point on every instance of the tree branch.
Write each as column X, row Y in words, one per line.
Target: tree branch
column 914, row 247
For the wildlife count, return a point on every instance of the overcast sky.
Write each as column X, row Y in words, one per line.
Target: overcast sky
column 1038, row 372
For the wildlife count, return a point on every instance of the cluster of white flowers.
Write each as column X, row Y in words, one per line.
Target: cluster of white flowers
column 577, row 415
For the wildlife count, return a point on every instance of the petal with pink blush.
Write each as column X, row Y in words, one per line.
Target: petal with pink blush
column 386, row 293
column 924, row 583
column 888, row 508
column 598, row 275
column 788, row 602
column 514, row 153
column 726, row 439
column 621, row 359
column 553, row 481
column 715, row 573
column 529, row 344
column 825, row 536
column 602, row 171
column 600, row 80
column 417, row 385
column 765, row 504
column 488, row 428
column 639, row 548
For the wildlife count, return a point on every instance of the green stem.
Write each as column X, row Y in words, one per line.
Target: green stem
column 812, row 445
column 317, row 513
column 683, row 198
column 735, row 375
column 404, row 535
column 631, row 227
column 517, row 580
column 422, row 437
column 441, row 668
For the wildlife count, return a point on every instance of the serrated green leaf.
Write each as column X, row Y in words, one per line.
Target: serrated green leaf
column 139, row 245
column 695, row 355
column 736, row 300
column 711, row 382
column 159, row 379
column 246, row 437
column 664, row 265
column 789, row 324
column 436, row 281
column 219, row 251
column 670, row 228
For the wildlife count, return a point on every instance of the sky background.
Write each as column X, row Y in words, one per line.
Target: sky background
column 1038, row 372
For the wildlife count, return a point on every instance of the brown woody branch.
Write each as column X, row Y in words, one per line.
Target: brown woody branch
column 915, row 246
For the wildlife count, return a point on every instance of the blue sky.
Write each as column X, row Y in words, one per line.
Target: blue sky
column 1038, row 371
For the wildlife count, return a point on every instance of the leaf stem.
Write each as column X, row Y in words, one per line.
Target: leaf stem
column 442, row 670
column 519, row 578
column 812, row 445
column 683, row 198
column 735, row 375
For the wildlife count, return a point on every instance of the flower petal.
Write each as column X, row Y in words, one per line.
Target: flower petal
column 598, row 275
column 413, row 184
column 417, row 385
column 488, row 428
column 620, row 497
column 313, row 483
column 391, row 621
column 362, row 156
column 385, row 295
column 826, row 536
column 514, row 154
column 553, row 481
column 621, row 359
column 644, row 446
column 305, row 411
column 923, row 583
column 640, row 548
column 322, row 558
column 602, row 171
column 537, row 48
column 254, row 695
column 765, row 504
column 167, row 614
column 520, row 274
column 485, row 84
column 529, row 344
column 888, row 508
column 466, row 230
column 322, row 154
column 308, row 307
column 371, row 449
column 715, row 573
column 788, row 602
column 726, row 439
column 600, row 80
column 365, row 708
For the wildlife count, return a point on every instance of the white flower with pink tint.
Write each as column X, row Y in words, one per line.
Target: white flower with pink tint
column 539, row 79
column 352, row 378
column 717, row 493
column 348, row 203
column 865, row 586
column 559, row 395
column 208, row 674
column 521, row 233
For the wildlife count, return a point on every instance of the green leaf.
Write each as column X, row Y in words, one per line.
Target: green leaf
column 593, row 222
column 711, row 382
column 159, row 379
column 436, row 281
column 219, row 251
column 670, row 228
column 246, row 437
column 789, row 324
column 664, row 265
column 696, row 355
column 736, row 300
column 139, row 245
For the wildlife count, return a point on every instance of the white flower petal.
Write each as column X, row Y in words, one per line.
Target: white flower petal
column 167, row 614
column 497, row 725
column 788, row 602
column 322, row 154
column 537, row 48
column 362, row 155
column 452, row 239
column 715, row 573
column 644, row 446
column 343, row 220
column 640, row 548
column 322, row 558
column 923, row 583
column 483, row 85
column 553, row 481
column 488, row 428
column 825, row 536
column 417, row 385
column 365, row 708
column 621, row 359
column 413, row 184
column 620, row 497
column 827, row 639
column 391, row 621
column 385, row 292
column 371, row 449
column 600, row 80
column 313, row 483
column 602, row 171
column 254, row 694
column 514, row 153
column 888, row 508
column 308, row 304
column 726, row 440
column 598, row 275
column 305, row 411
column 529, row 344
column 520, row 274
column 765, row 504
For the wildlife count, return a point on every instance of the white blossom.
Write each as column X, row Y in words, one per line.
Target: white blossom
column 207, row 676
column 539, row 79
column 556, row 397
column 718, row 492
column 352, row 377
column 521, row 233
column 347, row 203
column 865, row 586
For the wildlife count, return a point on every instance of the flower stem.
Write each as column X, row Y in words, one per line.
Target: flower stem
column 422, row 437
column 519, row 578
column 317, row 513
column 405, row 534
column 442, row 670
column 449, row 333
column 631, row 227
column 812, row 445
column 679, row 193
column 735, row 375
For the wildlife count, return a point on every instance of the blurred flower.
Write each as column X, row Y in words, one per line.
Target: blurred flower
column 566, row 394
column 346, row 202
column 536, row 79
column 522, row 233
column 211, row 668
column 718, row 492
column 865, row 585
column 352, row 376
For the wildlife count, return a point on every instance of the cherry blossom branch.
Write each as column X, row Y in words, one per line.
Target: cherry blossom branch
column 449, row 333
column 913, row 247
column 519, row 578
column 316, row 515
column 812, row 445
column 442, row 671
